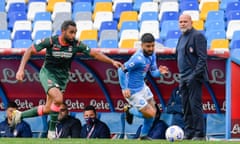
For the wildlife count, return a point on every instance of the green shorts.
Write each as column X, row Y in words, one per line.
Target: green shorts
column 49, row 80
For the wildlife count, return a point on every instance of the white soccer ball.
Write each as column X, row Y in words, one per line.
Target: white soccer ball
column 174, row 133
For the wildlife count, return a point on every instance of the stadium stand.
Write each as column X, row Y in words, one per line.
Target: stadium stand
column 89, row 15
column 127, row 21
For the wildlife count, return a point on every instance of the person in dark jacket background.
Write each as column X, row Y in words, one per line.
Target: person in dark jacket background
column 22, row 129
column 67, row 126
column 94, row 128
column 192, row 56
column 174, row 107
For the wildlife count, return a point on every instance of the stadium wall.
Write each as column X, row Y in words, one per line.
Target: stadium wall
column 96, row 83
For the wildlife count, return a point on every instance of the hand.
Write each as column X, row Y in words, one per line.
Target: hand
column 117, row 64
column 190, row 80
column 163, row 69
column 126, row 93
column 20, row 75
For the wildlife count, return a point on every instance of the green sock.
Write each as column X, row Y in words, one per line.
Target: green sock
column 53, row 121
column 30, row 113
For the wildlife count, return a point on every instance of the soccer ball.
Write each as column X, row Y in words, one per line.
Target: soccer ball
column 174, row 133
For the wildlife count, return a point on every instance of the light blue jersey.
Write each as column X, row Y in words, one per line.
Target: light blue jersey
column 135, row 71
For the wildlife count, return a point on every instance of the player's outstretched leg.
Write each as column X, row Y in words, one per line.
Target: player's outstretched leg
column 129, row 116
column 16, row 118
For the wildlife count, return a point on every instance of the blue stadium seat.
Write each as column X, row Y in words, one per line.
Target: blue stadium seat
column 76, row 1
column 126, row 25
column 91, row 43
column 2, row 115
column 2, row 5
column 40, row 34
column 5, row 34
column 82, row 6
column 215, row 24
column 42, row 16
column 173, row 34
column 114, row 120
column 235, row 44
column 39, row 126
column 108, row 43
column 137, row 4
column 213, row 16
column 22, row 43
column 107, row 25
column 215, row 126
column 224, row 3
column 14, row 16
column 18, row 6
column 214, row 34
column 232, row 6
column 148, row 15
column 169, row 15
column 168, row 25
column 235, row 36
column 120, row 7
column 233, row 15
column 29, row 1
column 189, row 5
column 22, row 34
column 171, row 42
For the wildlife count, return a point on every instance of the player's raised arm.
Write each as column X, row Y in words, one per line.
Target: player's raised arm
column 25, row 58
column 102, row 57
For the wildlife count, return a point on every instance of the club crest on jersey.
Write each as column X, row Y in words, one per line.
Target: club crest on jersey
column 190, row 49
column 70, row 48
column 56, row 47
column 131, row 64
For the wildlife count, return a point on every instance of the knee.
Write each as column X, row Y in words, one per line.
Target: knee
column 149, row 112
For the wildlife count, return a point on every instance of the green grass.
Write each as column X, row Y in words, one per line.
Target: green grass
column 100, row 141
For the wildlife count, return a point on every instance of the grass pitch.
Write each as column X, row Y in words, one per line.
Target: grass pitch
column 101, row 141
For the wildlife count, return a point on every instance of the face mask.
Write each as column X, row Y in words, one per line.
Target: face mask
column 90, row 121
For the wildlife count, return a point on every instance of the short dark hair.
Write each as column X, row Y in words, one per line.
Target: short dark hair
column 90, row 107
column 67, row 23
column 12, row 105
column 147, row 38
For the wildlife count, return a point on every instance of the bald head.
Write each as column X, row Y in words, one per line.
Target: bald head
column 185, row 22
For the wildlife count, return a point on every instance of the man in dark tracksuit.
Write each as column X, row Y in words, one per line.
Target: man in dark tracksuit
column 175, row 108
column 192, row 64
column 22, row 129
column 94, row 128
column 67, row 126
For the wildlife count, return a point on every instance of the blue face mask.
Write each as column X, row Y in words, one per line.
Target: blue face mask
column 90, row 121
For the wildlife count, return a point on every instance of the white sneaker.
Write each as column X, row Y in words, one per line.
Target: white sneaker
column 51, row 135
column 16, row 118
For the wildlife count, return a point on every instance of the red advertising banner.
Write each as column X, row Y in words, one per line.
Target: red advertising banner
column 235, row 93
column 96, row 83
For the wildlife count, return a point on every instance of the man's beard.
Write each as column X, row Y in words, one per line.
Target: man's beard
column 147, row 53
column 69, row 41
column 183, row 30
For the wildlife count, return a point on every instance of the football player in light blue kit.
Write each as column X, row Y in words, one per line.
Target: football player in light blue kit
column 134, row 89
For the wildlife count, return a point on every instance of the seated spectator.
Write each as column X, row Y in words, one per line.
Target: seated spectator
column 67, row 126
column 22, row 129
column 174, row 107
column 94, row 128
